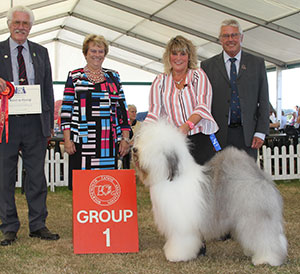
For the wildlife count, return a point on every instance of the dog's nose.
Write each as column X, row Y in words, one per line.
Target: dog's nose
column 135, row 150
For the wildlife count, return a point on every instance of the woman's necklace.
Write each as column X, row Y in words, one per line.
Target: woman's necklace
column 96, row 76
column 180, row 84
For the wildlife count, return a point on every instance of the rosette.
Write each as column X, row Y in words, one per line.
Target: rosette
column 4, row 96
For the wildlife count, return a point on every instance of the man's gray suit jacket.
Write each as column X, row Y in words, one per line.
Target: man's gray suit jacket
column 253, row 92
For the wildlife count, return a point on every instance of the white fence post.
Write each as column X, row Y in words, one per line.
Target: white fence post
column 19, row 172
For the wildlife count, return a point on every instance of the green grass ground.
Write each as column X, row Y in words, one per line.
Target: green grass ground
column 30, row 255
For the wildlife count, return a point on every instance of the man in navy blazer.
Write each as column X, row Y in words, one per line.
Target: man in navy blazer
column 28, row 133
column 252, row 88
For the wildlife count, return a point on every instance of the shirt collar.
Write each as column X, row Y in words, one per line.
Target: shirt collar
column 227, row 57
column 14, row 45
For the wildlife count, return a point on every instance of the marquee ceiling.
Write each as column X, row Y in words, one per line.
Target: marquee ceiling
column 138, row 30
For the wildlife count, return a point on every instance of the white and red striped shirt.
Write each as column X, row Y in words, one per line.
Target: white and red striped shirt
column 178, row 105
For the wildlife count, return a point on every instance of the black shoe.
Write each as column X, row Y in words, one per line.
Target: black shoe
column 225, row 237
column 9, row 238
column 44, row 234
column 202, row 250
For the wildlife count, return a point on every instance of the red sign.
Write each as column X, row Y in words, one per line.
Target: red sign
column 104, row 211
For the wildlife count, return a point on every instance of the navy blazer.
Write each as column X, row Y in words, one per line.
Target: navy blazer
column 42, row 76
column 253, row 92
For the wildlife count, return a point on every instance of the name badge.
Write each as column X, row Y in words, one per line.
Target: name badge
column 26, row 100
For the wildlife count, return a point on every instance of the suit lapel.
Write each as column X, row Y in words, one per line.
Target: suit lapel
column 33, row 54
column 221, row 66
column 243, row 65
column 6, row 60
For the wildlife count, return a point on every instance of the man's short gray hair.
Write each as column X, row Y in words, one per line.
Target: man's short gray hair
column 11, row 11
column 233, row 23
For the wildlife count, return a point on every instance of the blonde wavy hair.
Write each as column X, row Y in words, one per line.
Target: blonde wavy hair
column 180, row 44
column 98, row 40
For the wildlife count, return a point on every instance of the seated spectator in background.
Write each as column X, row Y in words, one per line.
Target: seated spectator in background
column 135, row 125
column 297, row 121
column 274, row 127
column 292, row 120
column 297, row 110
column 274, row 124
column 283, row 121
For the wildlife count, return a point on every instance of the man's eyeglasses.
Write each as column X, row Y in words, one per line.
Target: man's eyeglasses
column 25, row 24
column 232, row 35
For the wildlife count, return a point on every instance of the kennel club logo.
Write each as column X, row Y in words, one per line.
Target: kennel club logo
column 105, row 190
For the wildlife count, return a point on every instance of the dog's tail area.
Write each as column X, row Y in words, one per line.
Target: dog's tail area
column 265, row 242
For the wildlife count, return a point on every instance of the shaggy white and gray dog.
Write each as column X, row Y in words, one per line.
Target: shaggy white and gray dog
column 193, row 203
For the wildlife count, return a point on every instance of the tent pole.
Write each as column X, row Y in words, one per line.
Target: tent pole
column 278, row 92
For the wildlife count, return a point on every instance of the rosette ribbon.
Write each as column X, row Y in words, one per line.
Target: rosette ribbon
column 4, row 96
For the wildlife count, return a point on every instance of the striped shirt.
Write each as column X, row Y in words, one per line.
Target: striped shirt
column 177, row 105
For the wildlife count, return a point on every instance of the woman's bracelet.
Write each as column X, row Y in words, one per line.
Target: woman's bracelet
column 190, row 124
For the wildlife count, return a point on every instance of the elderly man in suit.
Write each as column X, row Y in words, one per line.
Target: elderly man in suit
column 26, row 132
column 240, row 102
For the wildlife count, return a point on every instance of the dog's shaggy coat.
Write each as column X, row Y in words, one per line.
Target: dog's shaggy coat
column 193, row 203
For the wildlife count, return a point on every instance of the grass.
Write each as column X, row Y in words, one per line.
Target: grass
column 30, row 255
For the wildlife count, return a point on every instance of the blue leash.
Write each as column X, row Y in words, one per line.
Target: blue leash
column 215, row 142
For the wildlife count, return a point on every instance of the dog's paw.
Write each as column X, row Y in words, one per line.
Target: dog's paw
column 267, row 260
column 181, row 251
column 180, row 257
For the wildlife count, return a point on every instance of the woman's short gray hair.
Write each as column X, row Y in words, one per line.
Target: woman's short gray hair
column 12, row 10
column 132, row 106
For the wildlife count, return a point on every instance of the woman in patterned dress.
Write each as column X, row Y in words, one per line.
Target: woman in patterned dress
column 94, row 115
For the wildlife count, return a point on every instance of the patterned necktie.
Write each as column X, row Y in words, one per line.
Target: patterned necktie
column 235, row 110
column 22, row 68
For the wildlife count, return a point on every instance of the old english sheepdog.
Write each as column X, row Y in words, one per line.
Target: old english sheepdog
column 194, row 203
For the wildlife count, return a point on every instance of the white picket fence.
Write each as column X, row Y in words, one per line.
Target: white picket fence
column 279, row 163
column 56, row 170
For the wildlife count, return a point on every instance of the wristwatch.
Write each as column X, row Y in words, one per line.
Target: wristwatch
column 190, row 124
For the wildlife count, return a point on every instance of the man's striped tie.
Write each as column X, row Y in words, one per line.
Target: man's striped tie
column 22, row 68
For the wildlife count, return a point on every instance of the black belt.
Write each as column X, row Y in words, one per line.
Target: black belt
column 234, row 125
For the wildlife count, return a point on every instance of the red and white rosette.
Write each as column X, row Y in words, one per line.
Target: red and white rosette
column 4, row 96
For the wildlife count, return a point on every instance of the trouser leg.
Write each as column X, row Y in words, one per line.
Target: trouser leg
column 8, row 171
column 33, row 149
column 235, row 137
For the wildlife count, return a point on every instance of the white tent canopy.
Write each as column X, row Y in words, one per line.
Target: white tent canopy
column 138, row 30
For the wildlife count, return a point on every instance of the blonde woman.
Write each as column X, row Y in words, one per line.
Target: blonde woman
column 183, row 96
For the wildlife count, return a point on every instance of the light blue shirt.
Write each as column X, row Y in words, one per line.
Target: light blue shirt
column 27, row 59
